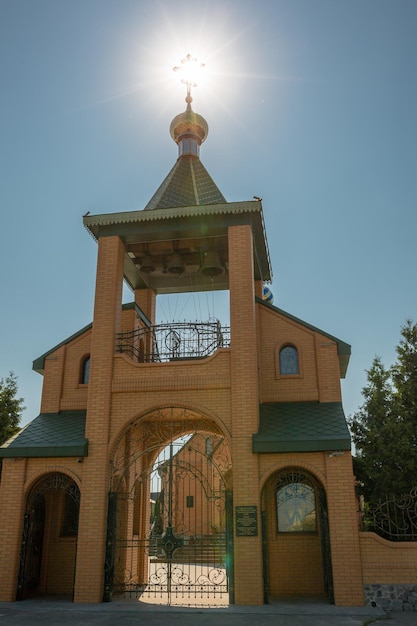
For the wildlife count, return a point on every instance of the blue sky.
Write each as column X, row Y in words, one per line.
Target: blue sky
column 311, row 105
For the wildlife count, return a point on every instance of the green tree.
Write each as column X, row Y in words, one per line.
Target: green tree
column 384, row 429
column 11, row 407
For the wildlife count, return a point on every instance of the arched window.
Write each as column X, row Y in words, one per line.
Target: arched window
column 288, row 360
column 85, row 371
column 296, row 503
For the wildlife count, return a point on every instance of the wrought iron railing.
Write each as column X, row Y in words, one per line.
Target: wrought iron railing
column 394, row 518
column 175, row 341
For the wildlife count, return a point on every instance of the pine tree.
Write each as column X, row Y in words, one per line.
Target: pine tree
column 369, row 428
column 384, row 429
column 11, row 407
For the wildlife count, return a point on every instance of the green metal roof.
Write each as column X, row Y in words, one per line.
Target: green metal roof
column 301, row 427
column 50, row 435
column 343, row 349
column 187, row 184
column 105, row 224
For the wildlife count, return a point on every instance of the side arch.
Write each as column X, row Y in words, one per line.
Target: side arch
column 282, row 465
column 33, row 479
column 49, row 538
column 297, row 557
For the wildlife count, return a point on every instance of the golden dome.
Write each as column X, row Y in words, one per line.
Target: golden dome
column 189, row 123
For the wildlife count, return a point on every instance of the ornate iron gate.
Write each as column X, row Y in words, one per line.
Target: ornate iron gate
column 325, row 543
column 169, row 535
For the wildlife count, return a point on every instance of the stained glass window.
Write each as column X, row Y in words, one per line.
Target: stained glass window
column 288, row 360
column 296, row 507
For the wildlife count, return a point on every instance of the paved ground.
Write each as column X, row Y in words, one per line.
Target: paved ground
column 58, row 613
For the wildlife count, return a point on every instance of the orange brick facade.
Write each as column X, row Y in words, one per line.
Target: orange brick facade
column 226, row 388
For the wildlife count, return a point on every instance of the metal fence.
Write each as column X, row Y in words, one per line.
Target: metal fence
column 175, row 341
column 395, row 518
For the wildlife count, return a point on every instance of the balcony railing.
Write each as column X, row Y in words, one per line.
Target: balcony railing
column 175, row 341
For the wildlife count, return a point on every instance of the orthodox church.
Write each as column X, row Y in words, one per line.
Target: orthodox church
column 195, row 463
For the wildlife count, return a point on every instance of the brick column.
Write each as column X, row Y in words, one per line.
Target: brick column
column 146, row 301
column 95, row 487
column 245, row 411
column 344, row 531
column 259, row 288
column 12, row 502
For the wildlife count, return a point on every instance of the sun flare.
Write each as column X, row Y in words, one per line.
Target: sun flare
column 191, row 72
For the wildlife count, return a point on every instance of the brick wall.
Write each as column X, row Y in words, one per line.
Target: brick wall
column 387, row 562
column 389, row 572
column 319, row 377
column 295, row 565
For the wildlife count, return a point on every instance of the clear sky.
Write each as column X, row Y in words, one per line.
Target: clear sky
column 311, row 105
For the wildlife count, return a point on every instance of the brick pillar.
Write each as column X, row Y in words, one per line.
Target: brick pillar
column 95, row 486
column 344, row 531
column 245, row 411
column 259, row 289
column 146, row 301
column 12, row 502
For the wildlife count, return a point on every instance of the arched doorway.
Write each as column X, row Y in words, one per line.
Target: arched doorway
column 169, row 533
column 49, row 540
column 297, row 560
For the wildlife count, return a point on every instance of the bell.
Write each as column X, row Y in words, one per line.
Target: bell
column 147, row 266
column 212, row 265
column 175, row 264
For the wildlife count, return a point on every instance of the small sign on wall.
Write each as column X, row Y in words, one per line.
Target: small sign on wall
column 246, row 521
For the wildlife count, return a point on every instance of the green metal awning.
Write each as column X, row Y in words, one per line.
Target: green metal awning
column 301, row 427
column 50, row 435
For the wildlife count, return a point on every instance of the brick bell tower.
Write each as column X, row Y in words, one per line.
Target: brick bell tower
column 259, row 403
column 187, row 238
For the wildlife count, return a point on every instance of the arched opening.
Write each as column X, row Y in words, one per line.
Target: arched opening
column 49, row 541
column 169, row 512
column 85, row 370
column 296, row 536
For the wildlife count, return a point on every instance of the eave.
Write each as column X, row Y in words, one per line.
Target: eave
column 199, row 222
column 301, row 427
column 49, row 435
